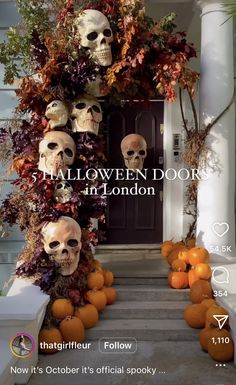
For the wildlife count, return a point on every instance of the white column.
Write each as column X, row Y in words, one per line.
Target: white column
column 216, row 202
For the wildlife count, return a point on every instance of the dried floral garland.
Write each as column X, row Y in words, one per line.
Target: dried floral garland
column 148, row 58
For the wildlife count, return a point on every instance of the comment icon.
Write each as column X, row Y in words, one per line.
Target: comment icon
column 220, row 274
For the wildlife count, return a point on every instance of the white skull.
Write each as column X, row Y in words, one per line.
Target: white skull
column 86, row 115
column 57, row 113
column 95, row 33
column 56, row 152
column 63, row 192
column 62, row 241
column 134, row 151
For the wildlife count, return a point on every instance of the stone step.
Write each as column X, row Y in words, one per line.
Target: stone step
column 151, row 293
column 143, row 330
column 145, row 310
column 140, row 280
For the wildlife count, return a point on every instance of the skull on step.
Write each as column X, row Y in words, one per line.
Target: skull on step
column 62, row 242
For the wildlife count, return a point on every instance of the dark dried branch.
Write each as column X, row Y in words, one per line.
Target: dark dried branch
column 194, row 111
column 182, row 112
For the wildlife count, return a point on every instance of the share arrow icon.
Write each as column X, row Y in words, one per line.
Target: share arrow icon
column 221, row 319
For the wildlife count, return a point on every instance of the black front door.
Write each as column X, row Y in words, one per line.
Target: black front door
column 135, row 219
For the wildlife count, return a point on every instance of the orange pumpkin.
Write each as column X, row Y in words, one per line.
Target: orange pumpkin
column 111, row 294
column 88, row 314
column 97, row 265
column 204, row 337
column 95, row 280
column 195, row 315
column 203, row 271
column 72, row 329
column 183, row 255
column 191, row 242
column 208, row 302
column 108, row 278
column 166, row 248
column 192, row 277
column 97, row 298
column 200, row 290
column 49, row 336
column 175, row 253
column 178, row 265
column 198, row 255
column 215, row 310
column 220, row 349
column 62, row 308
column 178, row 280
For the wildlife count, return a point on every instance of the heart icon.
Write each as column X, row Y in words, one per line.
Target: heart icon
column 220, row 228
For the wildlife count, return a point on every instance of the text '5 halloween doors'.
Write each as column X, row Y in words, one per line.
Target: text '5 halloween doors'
column 135, row 219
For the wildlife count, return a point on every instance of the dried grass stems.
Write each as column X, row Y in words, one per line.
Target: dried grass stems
column 196, row 155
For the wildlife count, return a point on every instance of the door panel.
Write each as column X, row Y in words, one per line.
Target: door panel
column 135, row 219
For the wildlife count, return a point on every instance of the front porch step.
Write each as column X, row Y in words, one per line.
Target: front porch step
column 144, row 330
column 139, row 280
column 151, row 293
column 145, row 310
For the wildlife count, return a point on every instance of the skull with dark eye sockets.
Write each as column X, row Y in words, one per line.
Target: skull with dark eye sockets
column 63, row 192
column 86, row 115
column 94, row 32
column 57, row 113
column 62, row 241
column 134, row 151
column 56, row 152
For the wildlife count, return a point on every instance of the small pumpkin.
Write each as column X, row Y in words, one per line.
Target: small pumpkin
column 49, row 336
column 178, row 265
column 111, row 294
column 88, row 314
column 204, row 337
column 72, row 329
column 183, row 255
column 97, row 265
column 175, row 253
column 166, row 248
column 95, row 280
column 203, row 271
column 195, row 315
column 178, row 280
column 62, row 308
column 192, row 277
column 191, row 242
column 200, row 290
column 198, row 255
column 97, row 298
column 218, row 349
column 208, row 302
column 215, row 310
column 108, row 278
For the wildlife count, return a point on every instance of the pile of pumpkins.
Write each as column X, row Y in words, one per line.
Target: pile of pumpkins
column 188, row 263
column 190, row 268
column 74, row 320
